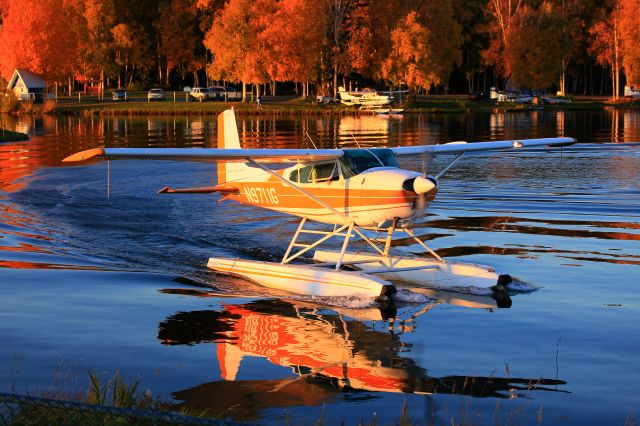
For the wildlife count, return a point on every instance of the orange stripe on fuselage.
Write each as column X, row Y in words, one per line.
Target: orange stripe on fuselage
column 278, row 196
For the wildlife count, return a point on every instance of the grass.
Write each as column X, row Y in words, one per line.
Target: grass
column 124, row 404
column 288, row 105
column 139, row 105
column 9, row 136
column 60, row 408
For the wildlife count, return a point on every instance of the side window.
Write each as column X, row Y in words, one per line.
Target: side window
column 347, row 171
column 316, row 173
column 324, row 172
column 305, row 174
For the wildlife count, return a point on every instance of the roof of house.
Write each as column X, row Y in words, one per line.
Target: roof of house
column 30, row 80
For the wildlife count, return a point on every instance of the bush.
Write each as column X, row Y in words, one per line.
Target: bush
column 8, row 103
column 49, row 106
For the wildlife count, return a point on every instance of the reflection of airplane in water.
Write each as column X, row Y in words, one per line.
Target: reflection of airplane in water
column 327, row 351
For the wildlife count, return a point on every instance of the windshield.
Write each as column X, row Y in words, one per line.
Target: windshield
column 356, row 161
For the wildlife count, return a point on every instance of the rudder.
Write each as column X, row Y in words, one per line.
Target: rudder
column 228, row 138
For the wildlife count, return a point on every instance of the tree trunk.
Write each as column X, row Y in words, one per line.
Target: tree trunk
column 244, row 92
column 335, row 78
column 562, row 78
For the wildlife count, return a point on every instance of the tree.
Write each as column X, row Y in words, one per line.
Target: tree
column 294, row 35
column 500, row 15
column 537, row 47
column 630, row 39
column 233, row 43
column 411, row 57
column 605, row 45
column 470, row 15
column 369, row 44
column 338, row 30
column 123, row 46
column 445, row 38
column 95, row 42
column 177, row 48
column 35, row 35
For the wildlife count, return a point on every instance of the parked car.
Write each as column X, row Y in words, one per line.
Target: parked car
column 216, row 93
column 233, row 94
column 221, row 93
column 200, row 94
column 120, row 95
column 155, row 95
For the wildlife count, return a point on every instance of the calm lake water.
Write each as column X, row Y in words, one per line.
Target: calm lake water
column 96, row 283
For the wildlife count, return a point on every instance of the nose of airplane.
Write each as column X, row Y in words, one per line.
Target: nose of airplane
column 420, row 185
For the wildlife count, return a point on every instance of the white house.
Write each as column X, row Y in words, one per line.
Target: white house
column 26, row 85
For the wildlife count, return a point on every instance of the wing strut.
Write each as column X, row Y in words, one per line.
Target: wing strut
column 446, row 169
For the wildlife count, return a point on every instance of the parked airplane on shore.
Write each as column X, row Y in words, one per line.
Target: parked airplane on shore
column 366, row 97
column 357, row 191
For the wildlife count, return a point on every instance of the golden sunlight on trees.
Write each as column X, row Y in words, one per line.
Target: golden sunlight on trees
column 410, row 61
column 500, row 16
column 294, row 35
column 537, row 46
column 423, row 51
column 35, row 34
column 630, row 39
column 177, row 49
column 589, row 47
column 606, row 44
column 232, row 41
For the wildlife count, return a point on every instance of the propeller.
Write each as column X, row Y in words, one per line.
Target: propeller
column 425, row 188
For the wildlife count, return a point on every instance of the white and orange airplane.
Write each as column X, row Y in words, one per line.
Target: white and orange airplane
column 355, row 190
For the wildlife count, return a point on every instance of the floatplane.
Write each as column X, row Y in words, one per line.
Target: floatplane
column 359, row 193
column 363, row 98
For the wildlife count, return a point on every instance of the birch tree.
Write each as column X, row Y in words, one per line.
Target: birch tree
column 500, row 15
column 630, row 40
column 606, row 44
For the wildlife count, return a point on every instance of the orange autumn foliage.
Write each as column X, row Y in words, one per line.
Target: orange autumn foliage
column 35, row 34
column 411, row 59
column 630, row 39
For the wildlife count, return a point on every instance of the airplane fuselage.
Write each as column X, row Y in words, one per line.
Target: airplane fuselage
column 367, row 199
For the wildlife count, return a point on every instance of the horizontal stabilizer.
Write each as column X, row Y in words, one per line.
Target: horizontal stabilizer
column 223, row 189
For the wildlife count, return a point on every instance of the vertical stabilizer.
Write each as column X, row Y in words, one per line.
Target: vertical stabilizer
column 228, row 138
column 228, row 130
column 229, row 357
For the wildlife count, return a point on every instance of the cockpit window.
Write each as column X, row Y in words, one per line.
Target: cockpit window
column 315, row 173
column 356, row 161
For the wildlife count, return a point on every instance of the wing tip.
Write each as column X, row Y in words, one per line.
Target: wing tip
column 84, row 155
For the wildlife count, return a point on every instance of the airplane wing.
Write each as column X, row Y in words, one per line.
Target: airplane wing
column 209, row 154
column 464, row 147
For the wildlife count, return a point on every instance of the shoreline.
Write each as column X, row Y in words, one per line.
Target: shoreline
column 281, row 105
column 9, row 136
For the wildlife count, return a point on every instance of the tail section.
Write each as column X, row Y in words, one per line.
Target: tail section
column 228, row 138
